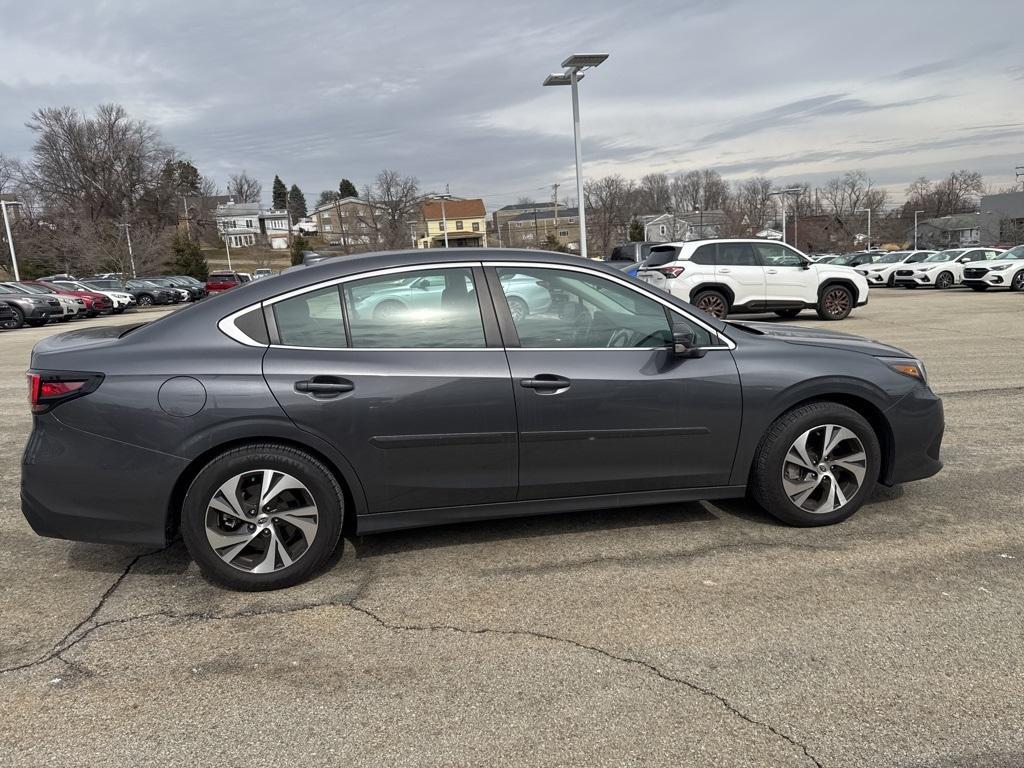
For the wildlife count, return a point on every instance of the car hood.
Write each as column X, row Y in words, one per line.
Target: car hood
column 992, row 263
column 795, row 334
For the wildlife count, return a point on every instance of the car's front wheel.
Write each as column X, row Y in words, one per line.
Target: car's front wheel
column 16, row 321
column 262, row 517
column 836, row 303
column 1017, row 281
column 945, row 280
column 712, row 302
column 816, row 465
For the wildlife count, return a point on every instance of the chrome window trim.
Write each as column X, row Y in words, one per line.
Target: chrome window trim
column 729, row 343
column 228, row 328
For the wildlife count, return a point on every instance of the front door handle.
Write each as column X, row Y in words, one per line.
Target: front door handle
column 724, row 271
column 772, row 271
column 324, row 386
column 546, row 382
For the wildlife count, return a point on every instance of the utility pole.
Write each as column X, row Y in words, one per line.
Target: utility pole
column 444, row 217
column 188, row 226
column 227, row 244
column 131, row 256
column 10, row 239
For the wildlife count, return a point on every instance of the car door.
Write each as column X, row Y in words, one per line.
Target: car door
column 789, row 278
column 419, row 401
column 604, row 405
column 738, row 268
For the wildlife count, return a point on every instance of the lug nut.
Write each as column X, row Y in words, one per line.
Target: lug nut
column 251, row 527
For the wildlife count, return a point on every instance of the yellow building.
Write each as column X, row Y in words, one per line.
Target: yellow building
column 465, row 221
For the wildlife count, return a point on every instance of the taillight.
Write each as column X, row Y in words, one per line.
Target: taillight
column 48, row 389
column 671, row 271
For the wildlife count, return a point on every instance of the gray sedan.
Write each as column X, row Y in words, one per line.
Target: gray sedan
column 257, row 425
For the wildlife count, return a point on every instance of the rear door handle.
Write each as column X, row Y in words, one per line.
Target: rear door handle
column 772, row 271
column 724, row 271
column 324, row 386
column 546, row 382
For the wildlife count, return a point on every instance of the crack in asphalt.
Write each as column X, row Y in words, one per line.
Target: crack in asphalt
column 66, row 643
column 62, row 645
column 695, row 687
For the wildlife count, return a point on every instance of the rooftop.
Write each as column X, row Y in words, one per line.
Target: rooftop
column 453, row 209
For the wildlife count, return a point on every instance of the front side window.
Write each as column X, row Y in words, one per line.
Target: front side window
column 554, row 308
column 775, row 255
column 425, row 309
column 311, row 320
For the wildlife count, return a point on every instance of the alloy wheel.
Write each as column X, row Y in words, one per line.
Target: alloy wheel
column 145, row 301
column 824, row 469
column 261, row 521
column 517, row 308
column 1017, row 283
column 945, row 280
column 712, row 304
column 837, row 302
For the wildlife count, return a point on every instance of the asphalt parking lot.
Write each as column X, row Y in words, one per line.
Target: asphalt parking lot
column 692, row 634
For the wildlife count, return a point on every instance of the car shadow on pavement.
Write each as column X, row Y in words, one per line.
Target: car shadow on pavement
column 510, row 529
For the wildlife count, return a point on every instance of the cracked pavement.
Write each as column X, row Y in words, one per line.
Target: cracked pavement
column 688, row 634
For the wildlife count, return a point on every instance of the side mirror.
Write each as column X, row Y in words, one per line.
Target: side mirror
column 684, row 344
column 806, row 264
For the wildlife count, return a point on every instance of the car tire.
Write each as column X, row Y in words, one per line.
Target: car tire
column 789, row 314
column 15, row 322
column 517, row 308
column 944, row 280
column 301, row 544
column 145, row 300
column 789, row 483
column 1017, row 281
column 387, row 310
column 713, row 302
column 835, row 303
column 891, row 282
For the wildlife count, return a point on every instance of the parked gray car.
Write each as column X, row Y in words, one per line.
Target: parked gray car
column 257, row 425
column 29, row 309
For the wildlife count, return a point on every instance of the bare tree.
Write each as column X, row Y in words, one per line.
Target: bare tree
column 851, row 192
column 244, row 188
column 609, row 204
column 653, row 194
column 699, row 190
column 392, row 202
column 8, row 172
column 753, row 202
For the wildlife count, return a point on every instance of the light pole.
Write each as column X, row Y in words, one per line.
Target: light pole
column 783, row 193
column 131, row 255
column 862, row 210
column 915, row 228
column 574, row 66
column 10, row 239
column 444, row 218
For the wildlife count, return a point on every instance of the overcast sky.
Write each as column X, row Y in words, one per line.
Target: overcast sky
column 450, row 91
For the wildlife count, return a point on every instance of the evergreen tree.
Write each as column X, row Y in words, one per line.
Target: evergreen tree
column 299, row 244
column 296, row 204
column 280, row 194
column 327, row 196
column 636, row 231
column 347, row 189
column 552, row 243
column 188, row 259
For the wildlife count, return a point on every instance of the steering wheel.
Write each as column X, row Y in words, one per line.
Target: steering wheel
column 581, row 328
column 620, row 338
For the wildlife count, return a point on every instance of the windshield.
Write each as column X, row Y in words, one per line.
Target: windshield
column 1014, row 254
column 847, row 258
column 142, row 284
column 944, row 255
column 36, row 289
column 919, row 256
column 104, row 285
column 892, row 258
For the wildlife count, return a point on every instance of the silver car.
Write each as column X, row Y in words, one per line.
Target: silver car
column 525, row 296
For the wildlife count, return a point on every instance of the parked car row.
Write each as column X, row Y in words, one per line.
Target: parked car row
column 63, row 297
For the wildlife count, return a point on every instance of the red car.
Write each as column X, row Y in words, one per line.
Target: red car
column 94, row 302
column 222, row 281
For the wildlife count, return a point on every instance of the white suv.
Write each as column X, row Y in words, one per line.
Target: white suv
column 736, row 276
column 882, row 271
column 943, row 269
column 1006, row 270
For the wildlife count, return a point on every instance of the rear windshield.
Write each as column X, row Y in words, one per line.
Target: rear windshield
column 662, row 254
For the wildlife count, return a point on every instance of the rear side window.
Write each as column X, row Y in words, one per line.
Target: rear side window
column 311, row 320
column 254, row 325
column 430, row 308
column 736, row 255
column 623, row 253
column 704, row 255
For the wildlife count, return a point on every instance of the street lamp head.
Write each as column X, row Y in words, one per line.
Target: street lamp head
column 560, row 78
column 584, row 60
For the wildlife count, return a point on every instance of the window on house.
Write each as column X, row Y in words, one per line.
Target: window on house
column 458, row 225
column 440, row 225
column 476, row 226
column 563, row 233
column 248, row 223
column 662, row 229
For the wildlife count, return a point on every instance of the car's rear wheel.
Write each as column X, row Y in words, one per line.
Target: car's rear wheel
column 262, row 517
column 1017, row 281
column 16, row 321
column 712, row 302
column 787, row 313
column 388, row 310
column 944, row 280
column 836, row 303
column 517, row 308
column 816, row 465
